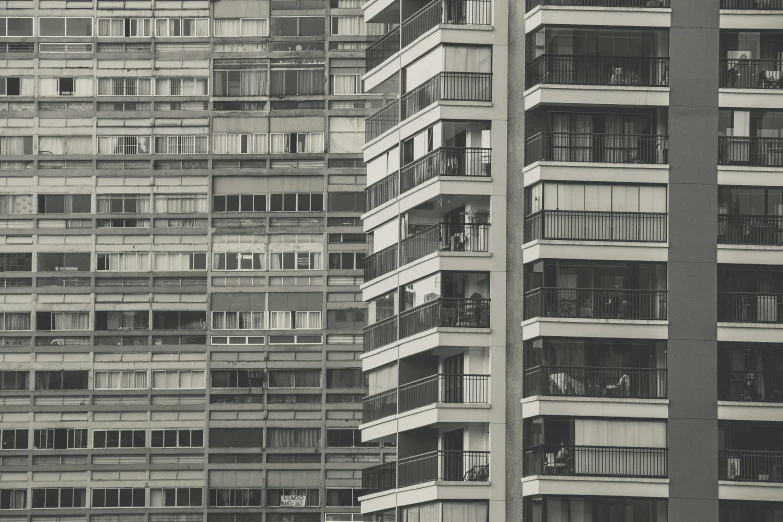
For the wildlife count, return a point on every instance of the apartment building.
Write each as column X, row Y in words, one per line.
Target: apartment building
column 181, row 252
column 589, row 330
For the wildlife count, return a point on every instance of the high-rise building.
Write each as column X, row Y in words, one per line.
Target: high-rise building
column 181, row 251
column 589, row 330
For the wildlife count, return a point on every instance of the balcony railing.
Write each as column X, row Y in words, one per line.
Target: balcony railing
column 738, row 307
column 750, row 151
column 750, row 230
column 383, row 48
column 441, row 388
column 382, row 191
column 596, row 303
column 580, row 381
column 750, row 466
column 457, row 162
column 741, row 73
column 380, row 263
column 596, row 461
column 750, row 386
column 636, row 4
column 582, row 147
column 380, row 334
column 598, row 70
column 445, row 312
column 379, row 478
column 452, row 12
column 445, row 237
column 452, row 466
column 382, row 121
column 583, row 225
column 768, row 5
column 447, row 86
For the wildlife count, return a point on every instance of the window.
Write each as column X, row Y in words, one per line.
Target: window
column 123, row 145
column 296, row 202
column 177, row 439
column 123, row 203
column 124, row 262
column 238, row 320
column 60, row 438
column 294, row 378
column 61, row 380
column 65, row 26
column 181, row 203
column 64, row 203
column 102, row 439
column 16, row 204
column 118, row 497
column 290, row 81
column 124, row 86
column 13, row 439
column 346, row 260
column 345, row 319
column 179, row 320
column 127, row 27
column 180, row 261
column 237, row 378
column 13, row 499
column 239, row 203
column 291, row 497
column 347, row 238
column 130, row 320
column 346, row 83
column 236, row 497
column 293, row 437
column 240, row 82
column 296, row 142
column 343, row 438
column 17, row 86
column 16, row 262
column 343, row 497
column 14, row 380
column 237, row 261
column 236, row 437
column 176, row 497
column 72, row 145
column 181, row 87
column 240, row 143
column 121, row 380
column 181, row 144
column 295, row 261
column 16, row 145
column 344, row 378
column 16, row 27
column 178, row 379
column 59, row 498
column 232, row 27
column 347, row 202
column 237, row 340
column 15, row 321
column 61, row 321
column 292, row 320
column 298, row 26
column 182, row 27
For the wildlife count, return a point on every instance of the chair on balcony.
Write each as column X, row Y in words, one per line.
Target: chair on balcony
column 552, row 466
column 621, row 389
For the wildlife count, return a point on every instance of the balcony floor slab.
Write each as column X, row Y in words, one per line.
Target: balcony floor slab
column 750, row 176
column 425, row 492
column 749, row 332
column 750, row 411
column 751, row 98
column 597, row 16
column 594, row 486
column 753, row 20
column 627, row 96
column 602, row 328
column 572, row 406
column 430, row 415
column 594, row 250
column 750, row 254
column 754, row 491
column 592, row 172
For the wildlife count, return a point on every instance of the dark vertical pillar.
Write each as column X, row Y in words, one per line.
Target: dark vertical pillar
column 692, row 349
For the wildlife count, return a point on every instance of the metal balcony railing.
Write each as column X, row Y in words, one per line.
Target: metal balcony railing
column 635, row 71
column 451, row 12
column 445, row 237
column 751, row 386
column 766, row 5
column 445, row 312
column 636, row 4
column 750, row 151
column 596, row 461
column 750, row 230
column 447, row 86
column 750, row 466
column 444, row 388
column 596, row 303
column 451, row 466
column 446, row 161
column 382, row 121
column 379, row 478
column 583, row 147
column 380, row 263
column 592, row 381
column 382, row 191
column 380, row 334
column 383, row 48
column 742, row 73
column 747, row 307
column 584, row 225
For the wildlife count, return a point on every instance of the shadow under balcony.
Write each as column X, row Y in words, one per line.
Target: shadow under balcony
column 577, row 147
column 629, row 71
column 633, row 4
column 583, row 225
column 434, row 466
column 750, row 151
column 596, row 461
column 596, row 303
column 750, row 230
column 573, row 381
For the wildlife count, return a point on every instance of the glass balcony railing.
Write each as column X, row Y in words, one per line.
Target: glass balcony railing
column 584, row 225
column 451, row 466
column 596, row 303
column 441, row 388
column 596, row 461
column 582, row 147
column 761, row 5
column 580, row 381
column 598, row 70
column 750, row 466
column 635, row 4
column 741, row 73
column 750, row 386
column 749, row 307
column 750, row 230
column 750, row 151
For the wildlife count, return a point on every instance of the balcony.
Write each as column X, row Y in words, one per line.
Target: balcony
column 750, row 386
column 383, row 49
column 752, row 5
column 751, row 74
column 750, row 151
column 382, row 191
column 750, row 466
column 450, row 466
column 633, row 4
column 445, row 312
column 596, row 303
column 380, row 334
column 576, row 147
column 750, row 230
column 747, row 307
column 447, row 86
column 446, row 161
column 628, row 71
column 380, row 263
column 441, row 388
column 382, row 121
column 596, row 461
column 580, row 225
column 445, row 237
column 573, row 381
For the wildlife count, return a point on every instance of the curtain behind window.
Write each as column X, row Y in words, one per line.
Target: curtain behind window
column 293, row 437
